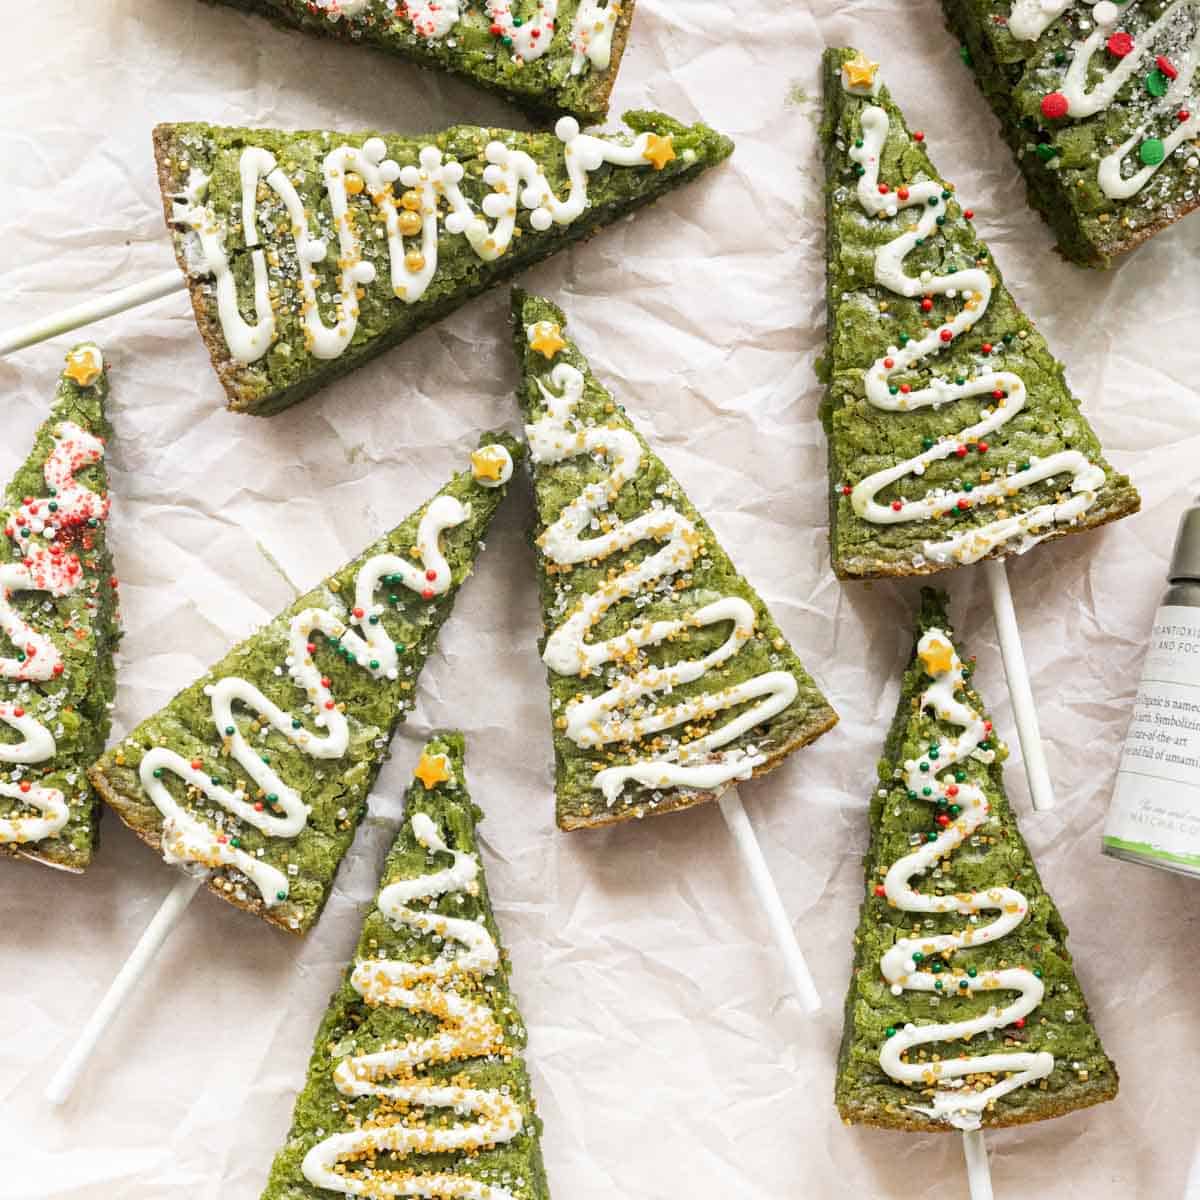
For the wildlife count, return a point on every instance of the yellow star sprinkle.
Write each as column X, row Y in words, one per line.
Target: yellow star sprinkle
column 860, row 71
column 546, row 338
column 84, row 365
column 487, row 464
column 432, row 770
column 938, row 657
column 659, row 150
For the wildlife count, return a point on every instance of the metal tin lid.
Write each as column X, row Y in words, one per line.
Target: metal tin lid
column 1185, row 561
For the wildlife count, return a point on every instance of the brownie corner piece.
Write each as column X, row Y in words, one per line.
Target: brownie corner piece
column 1100, row 104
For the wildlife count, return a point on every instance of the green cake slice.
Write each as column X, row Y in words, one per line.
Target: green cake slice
column 669, row 679
column 417, row 1085
column 546, row 56
column 257, row 775
column 963, row 1008
column 1100, row 103
column 59, row 626
column 952, row 433
column 309, row 253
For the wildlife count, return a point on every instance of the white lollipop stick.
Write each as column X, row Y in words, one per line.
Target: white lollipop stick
column 1019, row 689
column 92, row 310
column 167, row 917
column 979, row 1174
column 768, row 898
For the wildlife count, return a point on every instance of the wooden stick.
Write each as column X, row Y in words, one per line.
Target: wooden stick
column 172, row 908
column 979, row 1174
column 89, row 311
column 768, row 898
column 1019, row 689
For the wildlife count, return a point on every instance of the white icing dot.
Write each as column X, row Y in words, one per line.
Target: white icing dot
column 1106, row 13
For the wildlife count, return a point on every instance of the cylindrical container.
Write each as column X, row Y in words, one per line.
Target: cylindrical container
column 1154, row 815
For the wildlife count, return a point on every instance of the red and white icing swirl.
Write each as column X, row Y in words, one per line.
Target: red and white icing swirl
column 627, row 711
column 514, row 176
column 1004, row 393
column 270, row 805
column 904, row 966
column 43, row 530
column 445, row 990
column 1094, row 79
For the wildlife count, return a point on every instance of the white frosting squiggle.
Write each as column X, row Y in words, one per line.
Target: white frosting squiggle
column 1026, row 528
column 514, row 176
column 592, row 34
column 621, row 714
column 467, row 1029
column 951, row 1102
column 186, row 839
column 1031, row 18
column 46, row 566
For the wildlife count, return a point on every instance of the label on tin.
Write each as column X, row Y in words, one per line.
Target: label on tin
column 1155, row 808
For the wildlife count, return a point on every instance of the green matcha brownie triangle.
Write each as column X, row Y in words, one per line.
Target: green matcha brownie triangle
column 963, row 1007
column 669, row 679
column 548, row 57
column 58, row 626
column 309, row 253
column 258, row 774
column 417, row 1085
column 952, row 433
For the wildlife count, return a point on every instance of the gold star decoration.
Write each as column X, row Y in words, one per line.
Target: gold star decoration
column 938, row 657
column 487, row 464
column 546, row 338
column 84, row 365
column 860, row 71
column 659, row 150
column 432, row 770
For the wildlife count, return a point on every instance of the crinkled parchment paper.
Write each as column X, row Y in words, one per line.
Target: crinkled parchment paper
column 669, row 1060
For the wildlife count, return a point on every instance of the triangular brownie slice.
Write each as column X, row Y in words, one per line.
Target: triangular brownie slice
column 952, row 433
column 258, row 773
column 417, row 1085
column 58, row 626
column 669, row 679
column 549, row 58
column 963, row 1008
column 309, row 253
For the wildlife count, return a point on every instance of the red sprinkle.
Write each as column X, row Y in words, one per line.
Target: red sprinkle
column 902, row 193
column 1184, row 115
column 964, row 504
column 1167, row 67
column 961, row 451
column 427, row 594
column 1120, row 44
column 196, row 764
column 946, row 335
column 25, row 786
column 986, row 348
column 952, row 790
column 1055, row 106
column 18, row 712
column 889, row 363
column 325, row 683
column 926, row 304
column 969, row 213
column 431, row 575
column 983, row 449
column 943, row 820
column 918, row 136
column 846, row 489
column 897, row 505
column 883, row 189
column 358, row 612
column 905, row 388
column 1020, row 1022
column 880, row 890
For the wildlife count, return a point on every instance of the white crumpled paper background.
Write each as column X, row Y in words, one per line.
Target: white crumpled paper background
column 669, row 1058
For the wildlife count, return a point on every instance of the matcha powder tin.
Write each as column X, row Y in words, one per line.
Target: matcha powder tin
column 1154, row 816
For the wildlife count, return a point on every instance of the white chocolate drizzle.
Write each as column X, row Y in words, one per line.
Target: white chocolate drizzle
column 281, row 811
column 952, row 1102
column 1005, row 391
column 1087, row 94
column 467, row 1029
column 514, row 176
column 47, row 565
column 626, row 711
column 528, row 39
